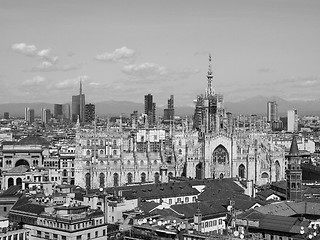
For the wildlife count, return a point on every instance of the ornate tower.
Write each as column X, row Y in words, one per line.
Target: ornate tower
column 294, row 173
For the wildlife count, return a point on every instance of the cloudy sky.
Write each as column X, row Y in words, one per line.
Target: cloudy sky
column 125, row 49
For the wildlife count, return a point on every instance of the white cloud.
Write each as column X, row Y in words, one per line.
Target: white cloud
column 70, row 83
column 32, row 51
column 29, row 50
column 124, row 55
column 37, row 80
column 145, row 69
column 50, row 67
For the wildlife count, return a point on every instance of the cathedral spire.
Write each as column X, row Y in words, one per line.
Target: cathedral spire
column 294, row 150
column 209, row 77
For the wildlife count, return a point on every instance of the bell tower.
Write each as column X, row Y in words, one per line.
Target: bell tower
column 294, row 173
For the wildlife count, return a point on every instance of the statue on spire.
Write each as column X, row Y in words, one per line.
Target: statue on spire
column 209, row 77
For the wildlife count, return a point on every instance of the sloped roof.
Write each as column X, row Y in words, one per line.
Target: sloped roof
column 277, row 223
column 155, row 191
column 19, row 169
column 217, row 194
column 148, row 206
column 31, row 208
column 291, row 208
column 34, row 140
column 11, row 191
column 206, row 208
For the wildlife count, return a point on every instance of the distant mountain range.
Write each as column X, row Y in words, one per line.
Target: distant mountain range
column 256, row 105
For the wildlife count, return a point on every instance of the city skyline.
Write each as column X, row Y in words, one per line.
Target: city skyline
column 124, row 50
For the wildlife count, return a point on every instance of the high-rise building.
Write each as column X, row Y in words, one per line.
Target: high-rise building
column 150, row 109
column 272, row 111
column 168, row 115
column 134, row 119
column 294, row 173
column 45, row 115
column 89, row 112
column 66, row 111
column 6, row 115
column 57, row 111
column 78, row 106
column 29, row 115
column 292, row 120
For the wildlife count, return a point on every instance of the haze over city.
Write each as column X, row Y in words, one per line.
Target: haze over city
column 125, row 49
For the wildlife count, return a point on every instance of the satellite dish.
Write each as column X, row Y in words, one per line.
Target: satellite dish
column 101, row 189
column 236, row 233
column 229, row 208
column 241, row 236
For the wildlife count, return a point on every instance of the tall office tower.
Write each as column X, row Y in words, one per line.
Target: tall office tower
column 294, row 173
column 78, row 106
column 134, row 119
column 45, row 115
column 292, row 122
column 57, row 111
column 272, row 111
column 89, row 112
column 150, row 109
column 66, row 111
column 6, row 115
column 168, row 115
column 29, row 115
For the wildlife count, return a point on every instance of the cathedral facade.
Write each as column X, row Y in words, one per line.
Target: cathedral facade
column 211, row 147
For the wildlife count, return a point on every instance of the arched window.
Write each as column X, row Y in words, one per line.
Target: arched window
column 88, row 152
column 65, row 173
column 88, row 142
column 19, row 181
column 264, row 175
column 157, row 177
column 221, row 175
column 155, row 162
column 114, row 152
column 180, row 143
column 115, row 179
column 141, row 162
column 277, row 173
column 88, row 163
column 220, row 155
column 101, row 152
column 241, row 171
column 143, row 177
column 128, row 162
column 10, row 182
column 101, row 180
column 88, row 180
column 180, row 151
column 170, row 175
column 129, row 177
column 101, row 142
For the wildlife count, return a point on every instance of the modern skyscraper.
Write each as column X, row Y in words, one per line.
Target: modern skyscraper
column 29, row 115
column 45, row 115
column 134, row 119
column 90, row 112
column 78, row 106
column 150, row 109
column 272, row 111
column 57, row 111
column 294, row 173
column 168, row 115
column 66, row 111
column 292, row 122
column 6, row 115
